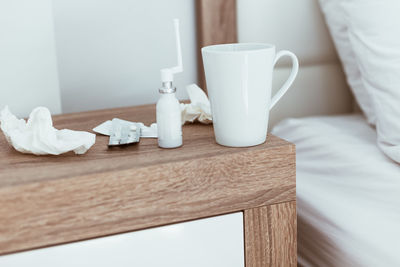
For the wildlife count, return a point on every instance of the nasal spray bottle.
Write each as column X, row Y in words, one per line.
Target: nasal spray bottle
column 169, row 125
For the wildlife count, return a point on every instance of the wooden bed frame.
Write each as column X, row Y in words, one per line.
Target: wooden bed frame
column 216, row 24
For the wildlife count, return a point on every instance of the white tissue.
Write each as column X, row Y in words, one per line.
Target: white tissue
column 39, row 137
column 199, row 107
column 146, row 131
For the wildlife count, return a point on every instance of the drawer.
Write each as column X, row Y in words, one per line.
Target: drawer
column 216, row 241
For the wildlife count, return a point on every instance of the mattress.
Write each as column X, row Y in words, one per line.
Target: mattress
column 348, row 193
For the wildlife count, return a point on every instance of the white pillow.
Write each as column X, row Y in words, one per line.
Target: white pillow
column 373, row 30
column 374, row 33
column 336, row 21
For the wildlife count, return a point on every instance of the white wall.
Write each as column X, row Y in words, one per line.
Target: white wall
column 110, row 51
column 28, row 70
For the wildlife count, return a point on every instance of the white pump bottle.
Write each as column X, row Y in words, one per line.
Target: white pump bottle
column 169, row 125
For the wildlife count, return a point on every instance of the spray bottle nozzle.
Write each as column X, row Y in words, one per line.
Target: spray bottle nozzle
column 167, row 74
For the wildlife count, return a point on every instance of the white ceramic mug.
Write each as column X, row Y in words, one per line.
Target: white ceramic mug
column 239, row 80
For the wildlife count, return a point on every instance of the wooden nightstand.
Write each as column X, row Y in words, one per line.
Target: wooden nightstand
column 51, row 200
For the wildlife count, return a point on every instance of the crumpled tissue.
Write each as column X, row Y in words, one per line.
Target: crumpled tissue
column 38, row 136
column 146, row 131
column 199, row 107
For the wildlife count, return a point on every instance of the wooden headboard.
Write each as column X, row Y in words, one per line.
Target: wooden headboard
column 320, row 87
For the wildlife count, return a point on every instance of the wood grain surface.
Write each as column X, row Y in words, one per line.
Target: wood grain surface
column 271, row 235
column 216, row 24
column 47, row 200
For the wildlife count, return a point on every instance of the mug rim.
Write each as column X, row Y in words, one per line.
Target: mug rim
column 257, row 47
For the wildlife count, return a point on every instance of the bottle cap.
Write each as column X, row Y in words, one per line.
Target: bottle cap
column 167, row 88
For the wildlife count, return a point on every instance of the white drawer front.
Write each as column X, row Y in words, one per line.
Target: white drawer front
column 216, row 241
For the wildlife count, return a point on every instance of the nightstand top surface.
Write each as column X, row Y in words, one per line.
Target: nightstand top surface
column 199, row 142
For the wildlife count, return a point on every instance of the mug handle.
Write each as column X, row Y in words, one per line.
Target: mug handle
column 292, row 76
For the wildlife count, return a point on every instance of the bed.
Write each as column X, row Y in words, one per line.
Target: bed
column 347, row 193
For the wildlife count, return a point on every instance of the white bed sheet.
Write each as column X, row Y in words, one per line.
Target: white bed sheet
column 348, row 193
